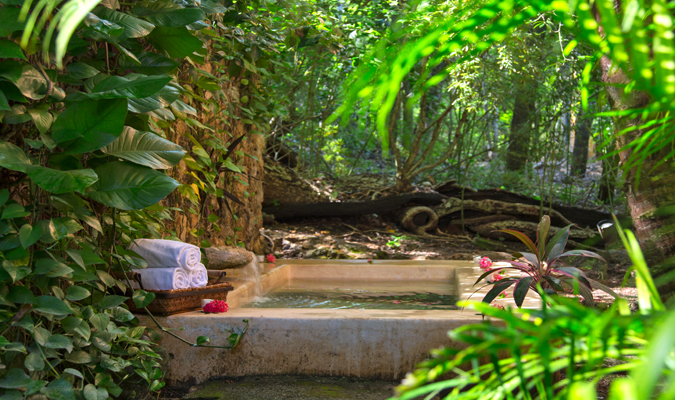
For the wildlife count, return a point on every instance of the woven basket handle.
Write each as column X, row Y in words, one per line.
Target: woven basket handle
column 214, row 273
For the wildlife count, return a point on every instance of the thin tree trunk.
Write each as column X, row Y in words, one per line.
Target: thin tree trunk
column 582, row 134
column 521, row 126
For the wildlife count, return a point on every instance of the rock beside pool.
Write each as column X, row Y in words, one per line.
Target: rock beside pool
column 227, row 257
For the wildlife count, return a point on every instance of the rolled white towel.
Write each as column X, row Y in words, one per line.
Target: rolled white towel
column 198, row 277
column 159, row 253
column 164, row 278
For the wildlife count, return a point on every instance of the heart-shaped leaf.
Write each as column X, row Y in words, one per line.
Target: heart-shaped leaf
column 55, row 181
column 9, row 49
column 59, row 342
column 51, row 305
column 112, row 301
column 130, row 187
column 14, row 378
column 145, row 148
column 77, row 293
column 177, row 42
column 12, row 157
column 91, row 392
column 90, row 125
column 29, row 235
column 143, row 298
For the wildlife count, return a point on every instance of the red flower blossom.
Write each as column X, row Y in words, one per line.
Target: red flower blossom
column 370, row 261
column 216, row 306
column 270, row 258
column 485, row 263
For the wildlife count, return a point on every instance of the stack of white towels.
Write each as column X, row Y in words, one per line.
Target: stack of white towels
column 171, row 264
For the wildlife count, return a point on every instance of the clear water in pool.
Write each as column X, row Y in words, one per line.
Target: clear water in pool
column 360, row 294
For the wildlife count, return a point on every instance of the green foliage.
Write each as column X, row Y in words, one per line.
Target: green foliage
column 89, row 92
column 541, row 270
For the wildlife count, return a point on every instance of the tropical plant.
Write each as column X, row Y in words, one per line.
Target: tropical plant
column 90, row 112
column 543, row 269
column 561, row 351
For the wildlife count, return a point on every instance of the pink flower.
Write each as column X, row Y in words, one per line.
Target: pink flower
column 370, row 261
column 499, row 306
column 270, row 258
column 216, row 306
column 396, row 302
column 497, row 276
column 485, row 263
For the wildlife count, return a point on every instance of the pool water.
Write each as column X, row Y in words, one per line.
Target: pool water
column 360, row 294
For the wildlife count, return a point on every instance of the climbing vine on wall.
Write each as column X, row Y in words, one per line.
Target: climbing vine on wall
column 94, row 99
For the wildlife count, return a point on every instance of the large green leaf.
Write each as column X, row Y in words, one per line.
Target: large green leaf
column 29, row 235
column 42, row 118
column 79, row 357
column 55, row 181
column 52, row 305
column 11, row 70
column 59, row 342
column 21, row 294
column 92, row 393
column 143, row 298
column 9, row 21
column 34, row 362
column 80, row 70
column 133, row 27
column 9, row 49
column 76, row 293
column 165, row 97
column 112, row 301
column 4, row 104
column 151, row 64
column 59, row 389
column 12, row 157
column 51, row 268
column 31, row 83
column 177, row 42
column 145, row 148
column 167, row 14
column 92, row 124
column 15, row 378
column 121, row 314
column 114, row 87
column 129, row 186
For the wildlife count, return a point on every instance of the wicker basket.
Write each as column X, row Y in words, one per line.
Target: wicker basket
column 168, row 302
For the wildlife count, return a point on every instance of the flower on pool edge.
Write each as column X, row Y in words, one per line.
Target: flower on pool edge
column 485, row 263
column 216, row 306
column 270, row 258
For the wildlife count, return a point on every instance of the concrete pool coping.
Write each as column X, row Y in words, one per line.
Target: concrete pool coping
column 374, row 344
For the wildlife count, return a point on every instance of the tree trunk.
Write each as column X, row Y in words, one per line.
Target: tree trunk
column 521, row 125
column 236, row 224
column 652, row 197
column 582, row 134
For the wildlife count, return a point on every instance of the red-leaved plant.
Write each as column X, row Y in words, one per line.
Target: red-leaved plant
column 543, row 268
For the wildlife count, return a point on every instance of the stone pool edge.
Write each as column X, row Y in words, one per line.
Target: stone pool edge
column 372, row 344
